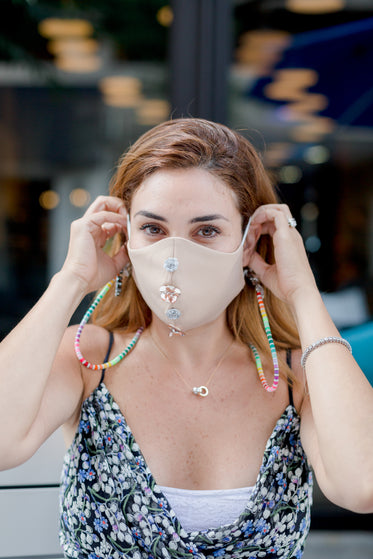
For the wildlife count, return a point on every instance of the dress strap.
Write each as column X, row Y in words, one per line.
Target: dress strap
column 290, row 382
column 111, row 341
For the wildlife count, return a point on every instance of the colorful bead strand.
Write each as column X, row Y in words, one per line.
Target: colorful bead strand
column 86, row 317
column 258, row 363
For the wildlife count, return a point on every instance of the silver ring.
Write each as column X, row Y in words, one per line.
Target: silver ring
column 292, row 222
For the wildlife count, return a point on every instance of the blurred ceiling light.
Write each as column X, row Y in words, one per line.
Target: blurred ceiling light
column 313, row 243
column 290, row 174
column 309, row 103
column 315, row 6
column 310, row 211
column 75, row 54
column 71, row 46
column 79, row 63
column 165, row 16
column 276, row 153
column 313, row 130
column 53, row 28
column 121, row 91
column 316, row 155
column 49, row 199
column 262, row 49
column 290, row 84
column 152, row 112
column 79, row 197
column 69, row 42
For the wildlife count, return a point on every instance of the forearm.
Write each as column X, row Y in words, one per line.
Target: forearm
column 28, row 352
column 341, row 399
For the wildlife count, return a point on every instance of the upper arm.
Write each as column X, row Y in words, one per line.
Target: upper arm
column 312, row 449
column 307, row 429
column 66, row 387
column 60, row 400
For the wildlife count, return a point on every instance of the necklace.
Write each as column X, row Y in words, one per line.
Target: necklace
column 86, row 317
column 202, row 390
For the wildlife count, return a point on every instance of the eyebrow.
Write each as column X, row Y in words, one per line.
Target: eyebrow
column 151, row 215
column 211, row 217
column 199, row 219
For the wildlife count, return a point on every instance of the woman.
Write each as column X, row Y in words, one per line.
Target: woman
column 181, row 448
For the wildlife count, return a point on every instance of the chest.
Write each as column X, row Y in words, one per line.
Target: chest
column 191, row 442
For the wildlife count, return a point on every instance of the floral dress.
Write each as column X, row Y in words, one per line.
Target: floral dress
column 111, row 506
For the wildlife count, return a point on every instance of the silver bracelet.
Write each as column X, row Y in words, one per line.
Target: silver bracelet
column 323, row 341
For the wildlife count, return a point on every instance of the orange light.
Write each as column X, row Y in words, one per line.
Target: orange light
column 69, row 43
column 165, row 16
column 290, row 84
column 313, row 130
column 49, row 199
column 79, row 197
column 261, row 50
column 72, row 46
column 315, row 6
column 152, row 112
column 309, row 103
column 276, row 153
column 121, row 91
column 78, row 63
column 53, row 28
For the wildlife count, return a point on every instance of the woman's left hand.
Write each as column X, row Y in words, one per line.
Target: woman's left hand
column 291, row 271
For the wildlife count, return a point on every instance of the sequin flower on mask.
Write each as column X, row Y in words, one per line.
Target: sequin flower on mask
column 173, row 314
column 169, row 293
column 171, row 264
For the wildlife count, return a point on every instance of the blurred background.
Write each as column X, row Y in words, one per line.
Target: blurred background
column 80, row 81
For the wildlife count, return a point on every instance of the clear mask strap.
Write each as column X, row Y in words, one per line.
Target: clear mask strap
column 128, row 227
column 245, row 232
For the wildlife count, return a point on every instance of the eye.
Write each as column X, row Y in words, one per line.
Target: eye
column 151, row 229
column 208, row 231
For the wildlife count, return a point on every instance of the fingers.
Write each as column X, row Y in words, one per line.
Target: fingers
column 105, row 217
column 272, row 212
column 107, row 203
column 272, row 218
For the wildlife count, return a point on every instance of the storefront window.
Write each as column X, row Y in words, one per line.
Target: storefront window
column 79, row 82
column 300, row 89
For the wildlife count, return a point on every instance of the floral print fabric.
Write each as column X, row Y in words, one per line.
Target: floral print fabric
column 111, row 506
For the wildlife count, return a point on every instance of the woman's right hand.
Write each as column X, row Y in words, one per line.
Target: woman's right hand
column 48, row 382
column 86, row 259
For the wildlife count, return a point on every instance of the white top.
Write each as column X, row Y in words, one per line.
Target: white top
column 199, row 510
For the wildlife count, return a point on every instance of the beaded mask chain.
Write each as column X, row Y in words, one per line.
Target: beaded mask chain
column 260, row 295
column 86, row 317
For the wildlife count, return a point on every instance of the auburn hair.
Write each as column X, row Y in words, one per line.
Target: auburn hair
column 196, row 143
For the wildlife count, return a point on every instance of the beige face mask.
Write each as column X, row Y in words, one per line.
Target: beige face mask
column 186, row 284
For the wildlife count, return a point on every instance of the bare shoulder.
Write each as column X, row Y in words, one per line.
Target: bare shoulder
column 67, row 368
column 69, row 378
column 94, row 342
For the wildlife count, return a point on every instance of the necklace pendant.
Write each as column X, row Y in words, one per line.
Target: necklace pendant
column 201, row 391
column 174, row 330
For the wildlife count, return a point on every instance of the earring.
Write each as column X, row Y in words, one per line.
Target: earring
column 260, row 298
column 127, row 270
column 118, row 284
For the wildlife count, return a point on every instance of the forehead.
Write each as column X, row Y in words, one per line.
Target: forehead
column 185, row 186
